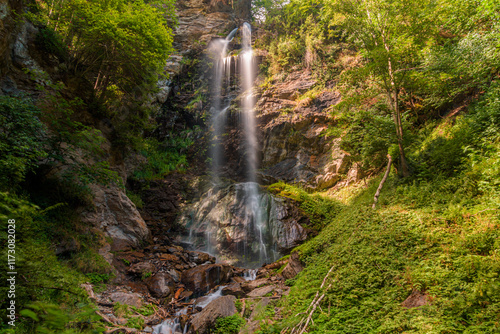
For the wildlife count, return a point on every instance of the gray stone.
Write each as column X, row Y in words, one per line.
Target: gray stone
column 261, row 292
column 203, row 278
column 128, row 298
column 161, row 285
column 117, row 216
column 221, row 307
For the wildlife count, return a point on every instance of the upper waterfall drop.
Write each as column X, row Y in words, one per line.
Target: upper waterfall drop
column 222, row 71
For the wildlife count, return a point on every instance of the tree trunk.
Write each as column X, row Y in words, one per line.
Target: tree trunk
column 379, row 189
column 393, row 94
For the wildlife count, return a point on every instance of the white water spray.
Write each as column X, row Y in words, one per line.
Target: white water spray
column 248, row 73
column 222, row 68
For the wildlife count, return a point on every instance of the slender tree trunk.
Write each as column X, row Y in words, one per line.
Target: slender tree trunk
column 394, row 99
column 379, row 189
column 399, row 130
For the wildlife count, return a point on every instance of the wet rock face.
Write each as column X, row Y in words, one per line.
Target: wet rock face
column 222, row 223
column 201, row 279
column 115, row 214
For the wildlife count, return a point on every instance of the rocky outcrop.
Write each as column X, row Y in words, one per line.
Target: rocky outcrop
column 202, row 20
column 221, row 307
column 221, row 222
column 115, row 214
column 293, row 267
column 292, row 118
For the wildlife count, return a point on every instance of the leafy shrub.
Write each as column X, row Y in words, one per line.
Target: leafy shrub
column 135, row 198
column 49, row 41
column 52, row 319
column 228, row 325
column 164, row 157
column 97, row 278
column 22, row 138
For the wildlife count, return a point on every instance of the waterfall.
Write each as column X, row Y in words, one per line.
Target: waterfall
column 247, row 78
column 234, row 222
column 222, row 66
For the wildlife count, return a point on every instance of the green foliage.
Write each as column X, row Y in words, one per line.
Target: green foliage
column 135, row 198
column 90, row 262
column 50, row 42
column 146, row 310
column 448, row 145
column 228, row 325
column 318, row 208
column 146, row 275
column 436, row 233
column 294, row 33
column 458, row 68
column 239, row 305
column 97, row 278
column 135, row 322
column 52, row 319
column 166, row 156
column 120, row 43
column 130, row 314
column 22, row 137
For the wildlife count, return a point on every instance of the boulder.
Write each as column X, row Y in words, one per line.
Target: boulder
column 220, row 307
column 252, row 285
column 161, row 285
column 293, row 267
column 233, row 290
column 141, row 268
column 202, row 279
column 327, row 181
column 176, row 276
column 261, row 292
column 416, row 299
column 117, row 216
column 201, row 258
column 128, row 298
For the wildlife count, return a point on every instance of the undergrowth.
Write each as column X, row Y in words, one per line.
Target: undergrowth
column 436, row 233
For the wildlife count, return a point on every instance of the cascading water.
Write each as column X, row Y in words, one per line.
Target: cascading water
column 252, row 218
column 222, row 65
column 247, row 78
column 234, row 222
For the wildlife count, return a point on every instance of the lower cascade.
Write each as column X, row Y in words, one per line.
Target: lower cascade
column 223, row 223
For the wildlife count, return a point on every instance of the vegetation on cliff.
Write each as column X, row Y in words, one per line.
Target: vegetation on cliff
column 100, row 61
column 423, row 79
